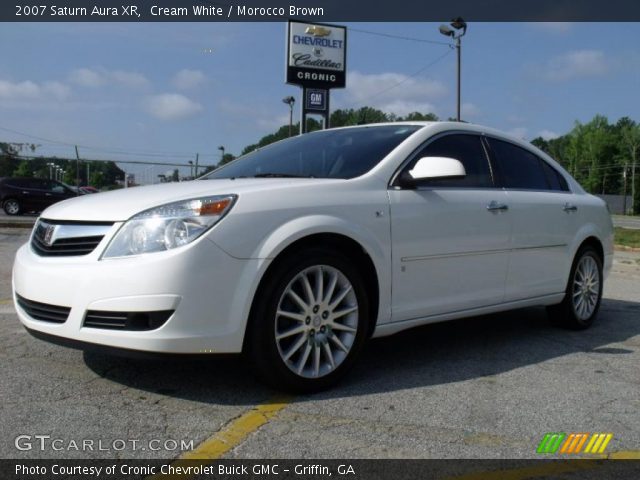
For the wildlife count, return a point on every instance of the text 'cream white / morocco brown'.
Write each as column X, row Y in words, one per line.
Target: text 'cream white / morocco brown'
column 297, row 253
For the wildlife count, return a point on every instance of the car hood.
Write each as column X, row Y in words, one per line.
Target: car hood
column 120, row 205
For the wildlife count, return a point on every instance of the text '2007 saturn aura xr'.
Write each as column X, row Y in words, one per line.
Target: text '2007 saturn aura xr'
column 299, row 252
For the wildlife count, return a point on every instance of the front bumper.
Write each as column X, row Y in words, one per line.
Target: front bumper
column 209, row 291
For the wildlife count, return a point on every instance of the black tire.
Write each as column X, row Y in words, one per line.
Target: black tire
column 565, row 313
column 263, row 350
column 11, row 206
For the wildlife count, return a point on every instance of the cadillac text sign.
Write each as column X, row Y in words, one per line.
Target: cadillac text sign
column 316, row 55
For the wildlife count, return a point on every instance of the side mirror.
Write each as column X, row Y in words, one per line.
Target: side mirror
column 428, row 168
column 437, row 167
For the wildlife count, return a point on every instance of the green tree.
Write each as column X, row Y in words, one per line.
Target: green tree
column 419, row 117
column 25, row 169
column 97, row 180
column 8, row 160
column 228, row 157
column 630, row 146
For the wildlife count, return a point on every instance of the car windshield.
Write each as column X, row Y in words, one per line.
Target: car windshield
column 341, row 153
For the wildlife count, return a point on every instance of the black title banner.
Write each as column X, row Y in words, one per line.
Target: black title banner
column 122, row 469
column 319, row 10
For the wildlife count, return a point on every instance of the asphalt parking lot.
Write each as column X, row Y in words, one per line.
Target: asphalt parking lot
column 486, row 387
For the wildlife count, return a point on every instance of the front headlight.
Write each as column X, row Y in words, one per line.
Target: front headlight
column 168, row 226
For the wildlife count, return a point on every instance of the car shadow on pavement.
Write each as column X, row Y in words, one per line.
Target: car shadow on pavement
column 430, row 355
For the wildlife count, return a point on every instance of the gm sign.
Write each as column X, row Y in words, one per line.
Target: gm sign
column 316, row 55
column 316, row 99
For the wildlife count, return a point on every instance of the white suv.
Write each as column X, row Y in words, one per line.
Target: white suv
column 299, row 252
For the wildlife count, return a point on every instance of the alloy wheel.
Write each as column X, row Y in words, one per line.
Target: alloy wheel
column 586, row 287
column 316, row 321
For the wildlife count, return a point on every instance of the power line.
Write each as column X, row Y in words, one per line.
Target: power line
column 141, row 153
column 405, row 79
column 133, row 162
column 398, row 37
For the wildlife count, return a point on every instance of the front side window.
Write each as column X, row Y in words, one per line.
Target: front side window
column 469, row 151
column 520, row 169
column 343, row 153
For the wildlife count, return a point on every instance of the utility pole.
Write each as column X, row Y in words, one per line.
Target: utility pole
column 624, row 189
column 77, row 171
column 197, row 158
column 459, row 49
column 290, row 101
column 460, row 26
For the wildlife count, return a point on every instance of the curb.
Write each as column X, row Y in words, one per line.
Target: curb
column 625, row 248
column 16, row 225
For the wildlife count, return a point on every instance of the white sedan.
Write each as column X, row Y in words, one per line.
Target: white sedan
column 299, row 252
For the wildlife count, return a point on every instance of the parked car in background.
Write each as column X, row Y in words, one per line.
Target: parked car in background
column 296, row 254
column 89, row 189
column 23, row 195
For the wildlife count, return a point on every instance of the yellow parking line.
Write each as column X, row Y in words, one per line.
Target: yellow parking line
column 234, row 433
column 230, row 436
column 523, row 473
column 6, row 301
column 625, row 455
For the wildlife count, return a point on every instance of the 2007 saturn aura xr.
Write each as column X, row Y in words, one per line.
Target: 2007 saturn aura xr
column 299, row 252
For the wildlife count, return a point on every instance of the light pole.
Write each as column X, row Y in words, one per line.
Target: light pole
column 290, row 101
column 221, row 148
column 191, row 165
column 461, row 27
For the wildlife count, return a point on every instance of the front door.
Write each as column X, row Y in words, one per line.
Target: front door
column 450, row 238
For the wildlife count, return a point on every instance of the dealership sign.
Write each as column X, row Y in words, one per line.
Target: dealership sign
column 316, row 55
column 316, row 99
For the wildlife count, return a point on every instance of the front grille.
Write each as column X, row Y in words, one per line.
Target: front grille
column 59, row 238
column 44, row 311
column 138, row 321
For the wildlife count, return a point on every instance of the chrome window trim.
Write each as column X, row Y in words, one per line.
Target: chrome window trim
column 394, row 177
column 532, row 152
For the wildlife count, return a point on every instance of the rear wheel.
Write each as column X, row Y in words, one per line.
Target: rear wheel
column 309, row 322
column 581, row 303
column 11, row 206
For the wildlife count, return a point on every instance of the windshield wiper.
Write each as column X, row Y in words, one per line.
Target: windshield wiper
column 280, row 175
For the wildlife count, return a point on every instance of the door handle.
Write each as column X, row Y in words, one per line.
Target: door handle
column 569, row 207
column 47, row 194
column 496, row 207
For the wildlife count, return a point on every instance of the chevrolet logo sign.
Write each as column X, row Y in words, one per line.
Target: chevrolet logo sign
column 46, row 233
column 49, row 233
column 318, row 31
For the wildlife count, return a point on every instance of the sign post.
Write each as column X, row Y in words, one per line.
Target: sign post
column 316, row 61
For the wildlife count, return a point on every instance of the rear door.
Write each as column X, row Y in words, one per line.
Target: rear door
column 450, row 238
column 25, row 191
column 544, row 221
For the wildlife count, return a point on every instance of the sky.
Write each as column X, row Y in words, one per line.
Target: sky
column 166, row 91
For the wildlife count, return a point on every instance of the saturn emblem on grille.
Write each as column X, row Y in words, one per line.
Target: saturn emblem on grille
column 48, row 237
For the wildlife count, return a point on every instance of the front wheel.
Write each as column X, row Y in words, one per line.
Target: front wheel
column 581, row 303
column 11, row 207
column 309, row 322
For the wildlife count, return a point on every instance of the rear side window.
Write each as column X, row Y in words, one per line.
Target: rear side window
column 520, row 169
column 17, row 182
column 556, row 181
column 469, row 151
